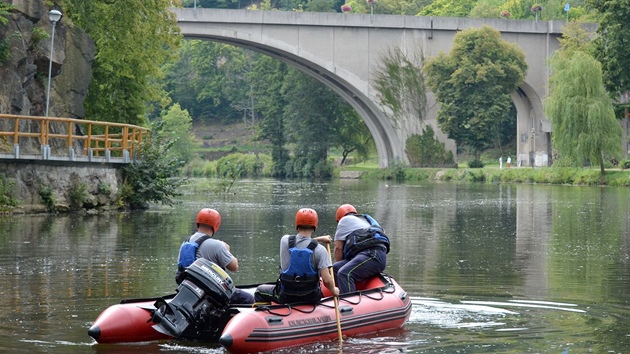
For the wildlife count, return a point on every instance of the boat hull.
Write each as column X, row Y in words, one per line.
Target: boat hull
column 385, row 307
column 126, row 322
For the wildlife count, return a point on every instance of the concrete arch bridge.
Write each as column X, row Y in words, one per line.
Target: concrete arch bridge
column 344, row 50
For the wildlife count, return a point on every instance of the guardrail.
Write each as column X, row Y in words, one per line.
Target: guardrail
column 83, row 140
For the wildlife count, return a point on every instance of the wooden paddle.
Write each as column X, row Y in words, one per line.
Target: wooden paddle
column 335, row 298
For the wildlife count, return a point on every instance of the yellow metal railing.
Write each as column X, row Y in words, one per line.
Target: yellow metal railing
column 115, row 137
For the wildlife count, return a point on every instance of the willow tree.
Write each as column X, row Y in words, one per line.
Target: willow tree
column 401, row 86
column 474, row 84
column 581, row 112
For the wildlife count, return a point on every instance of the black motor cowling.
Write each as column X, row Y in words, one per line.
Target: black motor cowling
column 200, row 310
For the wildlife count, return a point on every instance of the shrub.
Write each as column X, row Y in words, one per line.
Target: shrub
column 48, row 198
column 476, row 163
column 7, row 201
column 152, row 177
column 78, row 194
column 426, row 150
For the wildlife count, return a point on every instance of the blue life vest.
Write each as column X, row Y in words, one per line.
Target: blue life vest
column 365, row 239
column 187, row 255
column 300, row 278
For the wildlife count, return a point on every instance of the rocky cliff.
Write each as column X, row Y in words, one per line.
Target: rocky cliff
column 23, row 86
column 24, row 73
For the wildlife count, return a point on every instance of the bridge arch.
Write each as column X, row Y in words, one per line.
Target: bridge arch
column 387, row 145
column 343, row 51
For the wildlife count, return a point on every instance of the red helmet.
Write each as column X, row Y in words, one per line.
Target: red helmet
column 344, row 210
column 306, row 217
column 209, row 217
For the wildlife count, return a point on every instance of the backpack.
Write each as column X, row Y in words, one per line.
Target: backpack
column 187, row 255
column 364, row 239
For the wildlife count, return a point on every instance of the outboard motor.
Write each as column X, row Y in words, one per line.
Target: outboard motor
column 200, row 310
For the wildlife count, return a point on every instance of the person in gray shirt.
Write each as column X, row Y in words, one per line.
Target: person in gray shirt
column 216, row 251
column 302, row 261
column 361, row 248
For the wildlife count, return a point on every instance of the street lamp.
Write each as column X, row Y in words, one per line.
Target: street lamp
column 54, row 16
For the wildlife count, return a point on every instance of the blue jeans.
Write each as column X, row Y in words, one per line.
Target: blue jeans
column 364, row 265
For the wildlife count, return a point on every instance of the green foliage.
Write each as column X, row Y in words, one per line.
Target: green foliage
column 310, row 114
column 152, row 177
column 212, row 4
column 177, row 126
column 5, row 52
column 448, row 8
column 48, row 198
column 104, row 188
column 39, row 34
column 426, row 150
column 267, row 79
column 243, row 165
column 477, row 163
column 580, row 111
column 5, row 12
column 400, row 84
column 474, row 85
column 78, row 194
column 133, row 39
column 487, row 9
column 612, row 45
column 624, row 164
column 7, row 199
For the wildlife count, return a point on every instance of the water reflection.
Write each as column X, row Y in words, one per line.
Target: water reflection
column 521, row 268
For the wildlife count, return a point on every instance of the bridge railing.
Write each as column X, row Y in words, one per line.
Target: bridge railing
column 72, row 139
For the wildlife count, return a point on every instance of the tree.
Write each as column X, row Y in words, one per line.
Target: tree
column 177, row 127
column 267, row 78
column 473, row 85
column 401, row 86
column 426, row 150
column 449, row 8
column 152, row 177
column 309, row 114
column 351, row 133
column 581, row 113
column 612, row 46
column 133, row 38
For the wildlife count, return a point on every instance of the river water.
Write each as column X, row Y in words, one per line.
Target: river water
column 489, row 268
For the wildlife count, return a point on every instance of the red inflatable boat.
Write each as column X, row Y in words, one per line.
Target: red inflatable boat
column 382, row 305
column 200, row 312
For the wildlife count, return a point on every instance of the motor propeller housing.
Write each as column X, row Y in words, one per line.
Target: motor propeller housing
column 200, row 309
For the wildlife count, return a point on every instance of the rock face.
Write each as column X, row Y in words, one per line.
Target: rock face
column 24, row 73
column 41, row 186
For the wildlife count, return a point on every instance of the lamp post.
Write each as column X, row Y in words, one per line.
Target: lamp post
column 54, row 17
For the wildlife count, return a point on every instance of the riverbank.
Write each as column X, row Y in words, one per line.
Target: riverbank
column 539, row 175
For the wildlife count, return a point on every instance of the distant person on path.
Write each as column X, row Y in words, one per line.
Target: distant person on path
column 500, row 162
column 509, row 162
column 202, row 245
column 361, row 248
column 302, row 262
